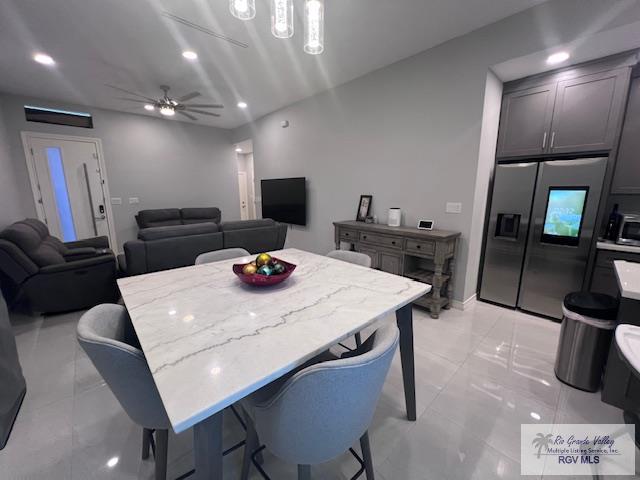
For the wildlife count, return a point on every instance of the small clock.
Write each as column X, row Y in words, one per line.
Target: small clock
column 425, row 225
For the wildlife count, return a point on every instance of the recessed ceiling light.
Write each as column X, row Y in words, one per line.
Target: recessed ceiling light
column 190, row 55
column 149, row 107
column 238, row 150
column 557, row 58
column 44, row 59
column 242, row 105
column 168, row 111
column 113, row 462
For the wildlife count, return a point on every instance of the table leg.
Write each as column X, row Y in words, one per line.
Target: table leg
column 404, row 318
column 207, row 448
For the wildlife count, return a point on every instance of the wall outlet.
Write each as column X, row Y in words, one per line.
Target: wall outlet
column 116, row 201
column 133, row 200
column 453, row 207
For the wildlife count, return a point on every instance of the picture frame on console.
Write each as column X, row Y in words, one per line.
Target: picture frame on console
column 364, row 207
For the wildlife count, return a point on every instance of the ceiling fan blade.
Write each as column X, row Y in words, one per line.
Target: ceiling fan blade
column 202, row 112
column 131, row 93
column 133, row 100
column 204, row 105
column 188, row 96
column 190, row 117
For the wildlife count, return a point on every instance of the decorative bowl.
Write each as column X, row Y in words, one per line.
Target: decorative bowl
column 264, row 280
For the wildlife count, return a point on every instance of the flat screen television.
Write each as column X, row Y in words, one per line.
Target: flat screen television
column 563, row 218
column 285, row 200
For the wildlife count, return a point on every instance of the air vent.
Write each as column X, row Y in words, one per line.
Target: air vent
column 58, row 117
column 200, row 28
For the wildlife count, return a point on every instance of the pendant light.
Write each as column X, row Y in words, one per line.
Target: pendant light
column 314, row 27
column 282, row 18
column 243, row 9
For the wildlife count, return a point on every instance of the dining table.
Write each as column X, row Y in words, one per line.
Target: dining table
column 211, row 340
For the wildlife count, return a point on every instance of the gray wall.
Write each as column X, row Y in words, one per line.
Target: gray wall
column 164, row 163
column 11, row 206
column 410, row 133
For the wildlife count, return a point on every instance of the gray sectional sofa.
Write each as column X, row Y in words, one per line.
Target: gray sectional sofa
column 177, row 245
column 45, row 275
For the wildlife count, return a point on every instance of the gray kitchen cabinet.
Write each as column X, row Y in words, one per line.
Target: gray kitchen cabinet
column 603, row 279
column 626, row 179
column 525, row 120
column 587, row 112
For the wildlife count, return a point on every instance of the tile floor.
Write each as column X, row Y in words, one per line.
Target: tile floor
column 480, row 374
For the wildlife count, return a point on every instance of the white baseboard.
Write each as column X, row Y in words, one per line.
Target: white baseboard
column 461, row 305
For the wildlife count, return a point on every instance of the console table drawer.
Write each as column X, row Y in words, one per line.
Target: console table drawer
column 426, row 248
column 383, row 240
column 348, row 235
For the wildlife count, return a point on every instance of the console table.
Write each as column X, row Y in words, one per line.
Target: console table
column 427, row 256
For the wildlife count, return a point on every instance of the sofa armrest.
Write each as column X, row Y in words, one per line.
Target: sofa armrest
column 96, row 242
column 281, row 228
column 85, row 263
column 135, row 253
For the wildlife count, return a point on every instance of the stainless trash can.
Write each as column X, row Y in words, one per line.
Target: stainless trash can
column 589, row 320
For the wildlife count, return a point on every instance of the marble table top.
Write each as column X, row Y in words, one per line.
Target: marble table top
column 628, row 274
column 211, row 340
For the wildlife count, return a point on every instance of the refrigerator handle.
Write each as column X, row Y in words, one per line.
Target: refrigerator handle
column 544, row 140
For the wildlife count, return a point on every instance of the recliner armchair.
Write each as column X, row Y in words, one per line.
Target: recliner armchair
column 46, row 275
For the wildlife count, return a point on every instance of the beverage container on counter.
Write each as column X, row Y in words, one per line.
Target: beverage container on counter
column 612, row 225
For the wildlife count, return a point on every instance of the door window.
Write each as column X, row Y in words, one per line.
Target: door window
column 61, row 193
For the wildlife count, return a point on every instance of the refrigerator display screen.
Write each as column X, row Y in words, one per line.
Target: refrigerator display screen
column 564, row 214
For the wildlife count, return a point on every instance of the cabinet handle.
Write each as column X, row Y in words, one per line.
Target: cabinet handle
column 393, row 243
column 418, row 247
column 544, row 140
column 364, row 236
column 553, row 139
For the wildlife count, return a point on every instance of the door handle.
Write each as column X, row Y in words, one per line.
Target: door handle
column 544, row 140
column 100, row 217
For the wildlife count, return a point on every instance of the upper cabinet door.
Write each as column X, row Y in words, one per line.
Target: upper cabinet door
column 627, row 176
column 587, row 111
column 525, row 121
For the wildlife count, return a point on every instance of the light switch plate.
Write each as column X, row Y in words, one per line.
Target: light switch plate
column 116, row 201
column 453, row 207
column 133, row 200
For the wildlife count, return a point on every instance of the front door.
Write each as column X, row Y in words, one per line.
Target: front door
column 69, row 186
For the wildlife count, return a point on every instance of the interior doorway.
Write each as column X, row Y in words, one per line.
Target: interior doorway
column 69, row 185
column 246, row 180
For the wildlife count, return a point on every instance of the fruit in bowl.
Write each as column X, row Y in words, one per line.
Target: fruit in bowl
column 265, row 270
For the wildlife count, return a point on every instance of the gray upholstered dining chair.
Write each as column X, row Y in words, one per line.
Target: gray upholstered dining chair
column 107, row 336
column 219, row 255
column 356, row 258
column 318, row 412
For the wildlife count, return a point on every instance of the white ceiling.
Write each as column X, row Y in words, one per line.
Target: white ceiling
column 129, row 43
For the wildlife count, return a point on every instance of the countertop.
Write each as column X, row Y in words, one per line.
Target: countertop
column 628, row 274
column 609, row 245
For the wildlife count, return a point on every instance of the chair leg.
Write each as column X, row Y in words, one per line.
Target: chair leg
column 251, row 444
column 304, row 472
column 365, row 445
column 162, row 445
column 146, row 442
column 358, row 339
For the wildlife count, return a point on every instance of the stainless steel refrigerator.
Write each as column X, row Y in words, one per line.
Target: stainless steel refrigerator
column 540, row 228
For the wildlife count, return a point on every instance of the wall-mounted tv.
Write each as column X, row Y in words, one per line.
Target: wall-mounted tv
column 285, row 200
column 563, row 218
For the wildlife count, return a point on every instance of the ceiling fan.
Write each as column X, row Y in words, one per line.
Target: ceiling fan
column 169, row 106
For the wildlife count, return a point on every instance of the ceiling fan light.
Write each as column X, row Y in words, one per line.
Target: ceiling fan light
column 149, row 107
column 190, row 55
column 242, row 105
column 243, row 9
column 167, row 111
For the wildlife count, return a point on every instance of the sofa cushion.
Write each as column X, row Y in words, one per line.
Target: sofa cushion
column 158, row 217
column 166, row 253
column 156, row 233
column 38, row 226
column 27, row 239
column 200, row 215
column 256, row 240
column 245, row 224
